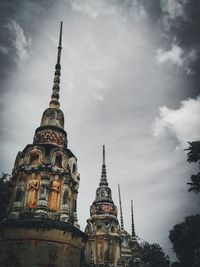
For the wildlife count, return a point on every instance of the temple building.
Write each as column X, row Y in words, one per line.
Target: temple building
column 103, row 247
column 41, row 228
column 130, row 248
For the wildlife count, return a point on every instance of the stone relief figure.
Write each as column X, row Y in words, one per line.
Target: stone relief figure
column 32, row 188
column 54, row 193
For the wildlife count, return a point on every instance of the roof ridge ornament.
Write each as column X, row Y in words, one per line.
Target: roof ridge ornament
column 54, row 103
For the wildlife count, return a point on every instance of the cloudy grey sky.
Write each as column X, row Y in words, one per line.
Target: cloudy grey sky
column 130, row 80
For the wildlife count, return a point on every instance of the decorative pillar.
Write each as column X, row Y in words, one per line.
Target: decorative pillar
column 92, row 251
column 18, row 201
column 65, row 199
column 74, row 208
column 106, row 251
column 42, row 210
column 118, row 251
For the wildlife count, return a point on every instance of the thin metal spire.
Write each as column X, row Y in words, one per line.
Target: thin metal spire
column 120, row 205
column 133, row 226
column 54, row 103
column 103, row 180
column 103, row 154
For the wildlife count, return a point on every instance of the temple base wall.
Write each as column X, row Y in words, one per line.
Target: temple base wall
column 21, row 247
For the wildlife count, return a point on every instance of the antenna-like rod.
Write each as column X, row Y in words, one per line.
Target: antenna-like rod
column 60, row 44
column 54, row 103
column 103, row 180
column 120, row 205
column 133, row 226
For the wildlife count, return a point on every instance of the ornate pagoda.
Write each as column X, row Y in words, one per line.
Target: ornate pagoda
column 41, row 228
column 103, row 246
column 130, row 248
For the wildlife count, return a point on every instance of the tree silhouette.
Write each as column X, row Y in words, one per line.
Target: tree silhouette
column 185, row 238
column 5, row 193
column 194, row 156
column 152, row 255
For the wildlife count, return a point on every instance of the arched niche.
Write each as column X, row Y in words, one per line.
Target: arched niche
column 72, row 163
column 58, row 160
column 34, row 158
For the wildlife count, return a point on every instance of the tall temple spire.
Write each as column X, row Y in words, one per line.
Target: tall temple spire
column 54, row 103
column 103, row 180
column 120, row 205
column 133, row 226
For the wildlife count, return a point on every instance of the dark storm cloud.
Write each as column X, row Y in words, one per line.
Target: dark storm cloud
column 179, row 21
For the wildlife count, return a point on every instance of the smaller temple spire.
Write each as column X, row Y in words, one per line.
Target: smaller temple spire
column 103, row 180
column 54, row 103
column 120, row 205
column 133, row 226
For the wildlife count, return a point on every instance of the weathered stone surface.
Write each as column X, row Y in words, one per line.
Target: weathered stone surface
column 32, row 247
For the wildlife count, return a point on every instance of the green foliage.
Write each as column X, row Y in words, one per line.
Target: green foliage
column 152, row 255
column 185, row 238
column 5, row 193
column 194, row 156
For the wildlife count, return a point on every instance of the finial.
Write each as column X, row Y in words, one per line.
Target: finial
column 103, row 172
column 133, row 226
column 120, row 205
column 54, row 103
column 103, row 154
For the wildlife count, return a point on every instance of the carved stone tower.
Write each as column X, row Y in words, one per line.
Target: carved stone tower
column 126, row 252
column 103, row 245
column 41, row 228
column 135, row 260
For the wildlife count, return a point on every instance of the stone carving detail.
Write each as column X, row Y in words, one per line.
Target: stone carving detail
column 103, row 208
column 50, row 137
column 43, row 191
column 53, row 117
column 65, row 198
column 32, row 188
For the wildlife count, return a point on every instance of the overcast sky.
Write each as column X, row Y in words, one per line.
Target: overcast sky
column 130, row 80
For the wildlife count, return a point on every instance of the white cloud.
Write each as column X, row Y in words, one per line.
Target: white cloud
column 183, row 123
column 177, row 56
column 19, row 41
column 93, row 8
column 98, row 8
column 173, row 56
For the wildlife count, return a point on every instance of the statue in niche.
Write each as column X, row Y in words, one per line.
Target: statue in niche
column 32, row 188
column 54, row 193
